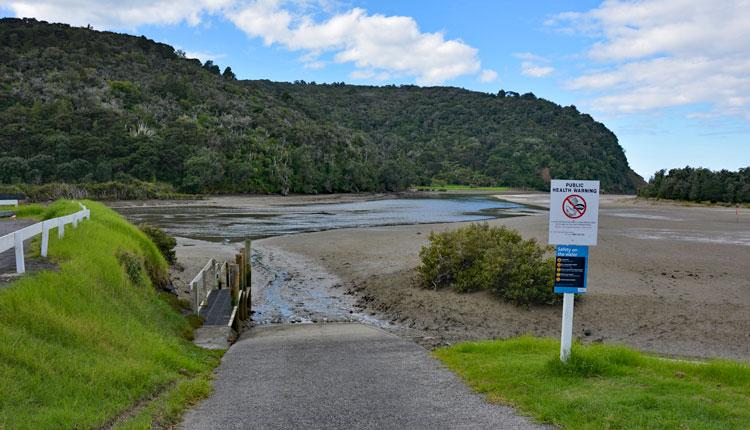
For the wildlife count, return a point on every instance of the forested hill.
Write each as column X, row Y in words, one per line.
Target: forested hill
column 460, row 136
column 82, row 105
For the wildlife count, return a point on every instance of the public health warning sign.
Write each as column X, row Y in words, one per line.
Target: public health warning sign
column 573, row 212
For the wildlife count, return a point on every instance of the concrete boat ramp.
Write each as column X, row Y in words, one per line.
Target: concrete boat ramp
column 340, row 376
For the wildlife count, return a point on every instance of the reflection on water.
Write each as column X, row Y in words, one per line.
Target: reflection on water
column 252, row 222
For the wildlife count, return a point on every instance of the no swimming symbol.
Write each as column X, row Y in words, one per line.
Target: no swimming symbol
column 574, row 206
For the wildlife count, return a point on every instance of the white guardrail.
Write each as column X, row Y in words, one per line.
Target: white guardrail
column 16, row 239
column 202, row 285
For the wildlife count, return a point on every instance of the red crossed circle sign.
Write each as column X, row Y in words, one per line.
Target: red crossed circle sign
column 574, row 206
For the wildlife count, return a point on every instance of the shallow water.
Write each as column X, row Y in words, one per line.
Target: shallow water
column 215, row 223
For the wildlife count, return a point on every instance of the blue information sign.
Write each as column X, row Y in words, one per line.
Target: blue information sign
column 571, row 263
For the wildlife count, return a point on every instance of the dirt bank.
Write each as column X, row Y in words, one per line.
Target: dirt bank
column 668, row 279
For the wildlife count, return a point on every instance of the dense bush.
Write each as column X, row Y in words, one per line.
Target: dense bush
column 162, row 240
column 495, row 259
column 113, row 190
column 698, row 184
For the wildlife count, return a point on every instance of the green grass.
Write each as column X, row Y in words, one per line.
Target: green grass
column 39, row 212
column 459, row 188
column 166, row 410
column 82, row 344
column 604, row 387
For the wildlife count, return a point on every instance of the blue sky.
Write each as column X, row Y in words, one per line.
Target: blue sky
column 671, row 78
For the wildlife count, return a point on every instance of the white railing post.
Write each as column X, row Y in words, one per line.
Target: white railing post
column 75, row 220
column 45, row 238
column 194, row 293
column 20, row 266
column 60, row 228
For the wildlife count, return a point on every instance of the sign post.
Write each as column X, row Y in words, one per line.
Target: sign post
column 573, row 226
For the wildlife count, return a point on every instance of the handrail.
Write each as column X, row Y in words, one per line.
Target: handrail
column 235, row 276
column 202, row 285
column 16, row 239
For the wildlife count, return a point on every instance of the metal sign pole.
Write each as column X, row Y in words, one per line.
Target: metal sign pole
column 566, row 337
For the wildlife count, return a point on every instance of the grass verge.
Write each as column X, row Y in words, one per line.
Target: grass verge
column 459, row 188
column 81, row 345
column 604, row 387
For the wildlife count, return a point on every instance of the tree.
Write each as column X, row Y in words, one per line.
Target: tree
column 203, row 171
column 211, row 67
column 229, row 74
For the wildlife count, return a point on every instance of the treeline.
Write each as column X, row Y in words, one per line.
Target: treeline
column 700, row 185
column 112, row 190
column 81, row 106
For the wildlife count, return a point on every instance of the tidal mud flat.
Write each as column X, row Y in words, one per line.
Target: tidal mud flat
column 682, row 291
column 664, row 278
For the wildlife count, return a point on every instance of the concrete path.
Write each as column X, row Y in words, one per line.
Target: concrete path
column 339, row 376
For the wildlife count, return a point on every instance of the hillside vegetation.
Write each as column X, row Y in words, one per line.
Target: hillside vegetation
column 82, row 344
column 700, row 185
column 78, row 105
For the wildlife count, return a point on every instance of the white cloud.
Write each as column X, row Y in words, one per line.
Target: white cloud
column 203, row 56
column 376, row 44
column 488, row 75
column 534, row 65
column 534, row 70
column 109, row 14
column 658, row 54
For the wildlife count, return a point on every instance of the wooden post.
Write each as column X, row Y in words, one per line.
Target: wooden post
column 239, row 258
column 60, row 228
column 234, row 282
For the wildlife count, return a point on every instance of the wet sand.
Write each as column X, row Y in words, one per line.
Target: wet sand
column 664, row 278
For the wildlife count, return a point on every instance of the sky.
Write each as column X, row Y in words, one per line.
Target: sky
column 671, row 78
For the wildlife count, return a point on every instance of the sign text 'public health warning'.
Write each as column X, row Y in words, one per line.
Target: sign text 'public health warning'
column 573, row 212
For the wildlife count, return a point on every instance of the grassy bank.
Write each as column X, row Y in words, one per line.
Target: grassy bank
column 112, row 190
column 81, row 345
column 459, row 188
column 604, row 387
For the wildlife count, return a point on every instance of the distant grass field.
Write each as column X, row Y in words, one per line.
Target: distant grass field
column 459, row 188
column 604, row 387
column 83, row 344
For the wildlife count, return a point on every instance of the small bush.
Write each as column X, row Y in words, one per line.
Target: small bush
column 496, row 259
column 162, row 240
column 133, row 266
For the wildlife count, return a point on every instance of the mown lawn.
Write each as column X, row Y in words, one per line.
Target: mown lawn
column 604, row 387
column 82, row 344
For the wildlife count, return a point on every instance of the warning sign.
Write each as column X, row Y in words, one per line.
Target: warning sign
column 573, row 212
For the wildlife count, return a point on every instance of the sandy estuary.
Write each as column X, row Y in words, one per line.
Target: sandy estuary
column 664, row 278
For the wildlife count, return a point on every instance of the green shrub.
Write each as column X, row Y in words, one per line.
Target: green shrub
column 163, row 241
column 495, row 259
column 133, row 266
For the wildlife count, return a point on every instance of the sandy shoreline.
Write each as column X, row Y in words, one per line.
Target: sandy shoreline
column 664, row 278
